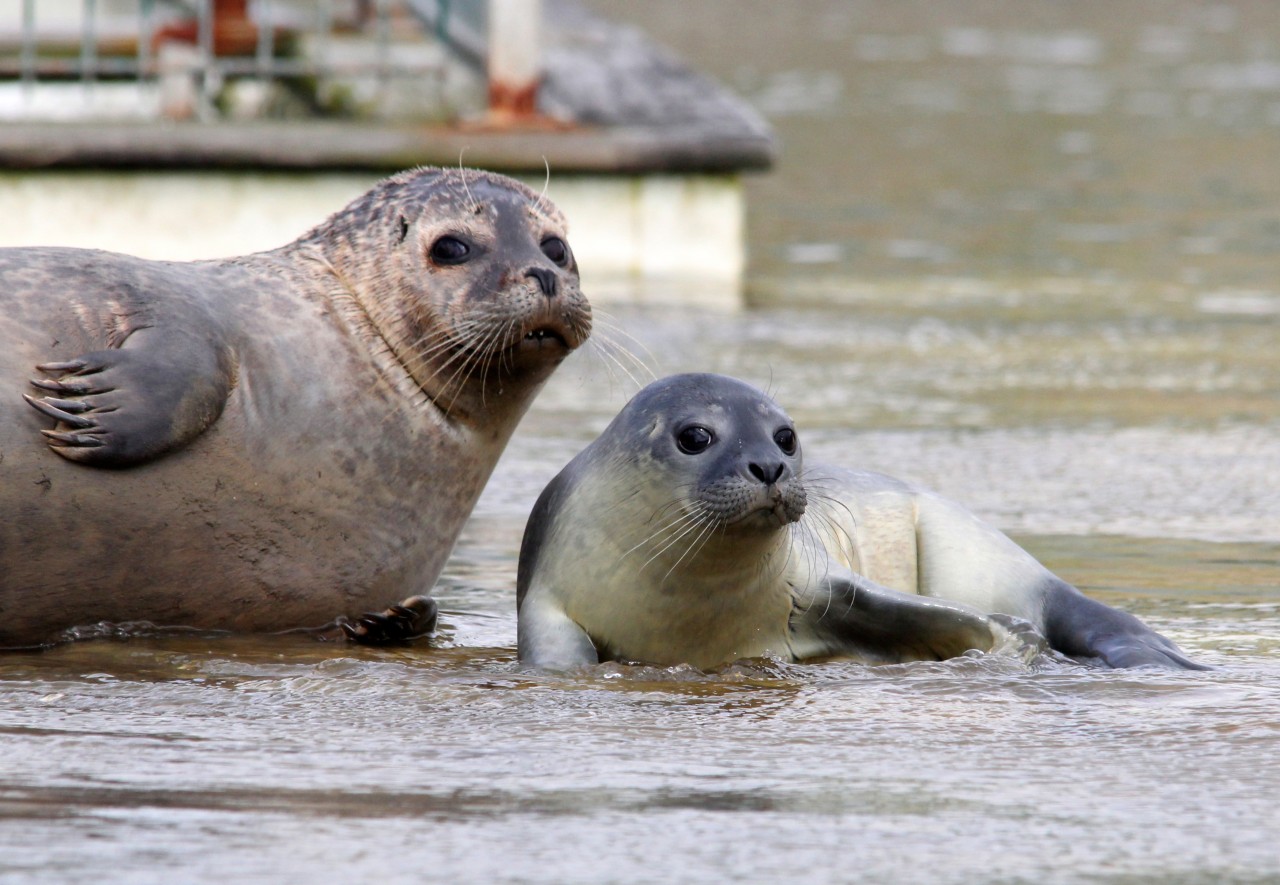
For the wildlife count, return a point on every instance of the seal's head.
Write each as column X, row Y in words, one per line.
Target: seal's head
column 472, row 286
column 666, row 540
column 725, row 447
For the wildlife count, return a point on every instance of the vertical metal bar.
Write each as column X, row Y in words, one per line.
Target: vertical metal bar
column 204, row 37
column 266, row 37
column 146, row 30
column 384, row 50
column 324, row 27
column 89, row 42
column 514, row 65
column 442, row 20
column 28, row 46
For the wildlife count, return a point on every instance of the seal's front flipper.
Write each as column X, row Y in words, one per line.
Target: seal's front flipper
column 127, row 405
column 851, row 615
column 1082, row 627
column 548, row 638
column 411, row 619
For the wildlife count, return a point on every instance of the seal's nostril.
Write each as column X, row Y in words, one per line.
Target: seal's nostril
column 767, row 474
column 546, row 279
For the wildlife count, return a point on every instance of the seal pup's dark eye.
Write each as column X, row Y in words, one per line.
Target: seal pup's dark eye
column 786, row 440
column 556, row 249
column 694, row 439
column 449, row 250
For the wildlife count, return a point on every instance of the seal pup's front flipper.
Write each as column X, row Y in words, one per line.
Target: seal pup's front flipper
column 847, row 614
column 126, row 405
column 1082, row 627
column 549, row 639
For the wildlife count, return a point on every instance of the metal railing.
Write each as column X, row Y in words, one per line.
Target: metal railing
column 179, row 57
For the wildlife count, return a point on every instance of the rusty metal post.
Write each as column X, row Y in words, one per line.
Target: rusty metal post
column 514, row 65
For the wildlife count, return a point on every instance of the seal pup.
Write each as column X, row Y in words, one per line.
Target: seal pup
column 677, row 537
column 275, row 440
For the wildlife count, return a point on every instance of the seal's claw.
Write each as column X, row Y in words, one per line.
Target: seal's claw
column 73, row 439
column 78, row 388
column 66, row 366
column 411, row 619
column 71, row 405
column 61, row 410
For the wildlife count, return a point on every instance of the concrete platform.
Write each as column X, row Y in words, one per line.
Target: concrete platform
column 645, row 158
column 654, row 237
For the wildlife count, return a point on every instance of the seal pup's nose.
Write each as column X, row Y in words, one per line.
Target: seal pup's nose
column 767, row 473
column 546, row 279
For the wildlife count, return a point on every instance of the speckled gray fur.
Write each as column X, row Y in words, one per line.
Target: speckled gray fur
column 273, row 440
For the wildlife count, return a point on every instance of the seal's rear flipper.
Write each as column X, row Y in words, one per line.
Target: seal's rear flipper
column 851, row 615
column 411, row 619
column 1082, row 627
column 127, row 405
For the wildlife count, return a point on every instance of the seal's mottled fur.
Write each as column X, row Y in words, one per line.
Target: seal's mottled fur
column 272, row 440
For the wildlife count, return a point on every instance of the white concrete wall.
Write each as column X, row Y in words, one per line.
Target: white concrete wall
column 656, row 238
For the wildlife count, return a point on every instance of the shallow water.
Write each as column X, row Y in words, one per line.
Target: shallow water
column 1124, row 426
column 184, row 758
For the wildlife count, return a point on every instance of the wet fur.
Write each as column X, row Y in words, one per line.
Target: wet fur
column 273, row 440
column 628, row 555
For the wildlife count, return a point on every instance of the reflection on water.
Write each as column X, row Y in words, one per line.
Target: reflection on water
column 1020, row 305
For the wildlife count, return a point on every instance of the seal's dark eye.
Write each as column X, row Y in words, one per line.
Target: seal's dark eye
column 449, row 250
column 786, row 440
column 556, row 249
column 694, row 439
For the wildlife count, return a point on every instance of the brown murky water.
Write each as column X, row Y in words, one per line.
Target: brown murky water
column 1016, row 306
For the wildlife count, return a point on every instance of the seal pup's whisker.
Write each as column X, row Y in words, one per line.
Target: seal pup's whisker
column 678, row 522
column 677, row 504
column 839, row 538
column 709, row 526
column 812, row 550
column 681, row 529
column 694, row 521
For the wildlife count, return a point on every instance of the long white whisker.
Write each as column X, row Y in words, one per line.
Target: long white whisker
column 472, row 204
column 542, row 197
column 686, row 526
column 680, row 521
column 708, row 527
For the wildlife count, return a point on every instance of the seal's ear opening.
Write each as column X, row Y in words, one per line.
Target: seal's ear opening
column 404, row 229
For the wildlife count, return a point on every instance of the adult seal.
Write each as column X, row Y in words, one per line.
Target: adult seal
column 690, row 532
column 271, row 441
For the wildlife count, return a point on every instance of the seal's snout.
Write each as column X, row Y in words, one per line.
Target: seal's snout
column 768, row 473
column 545, row 278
